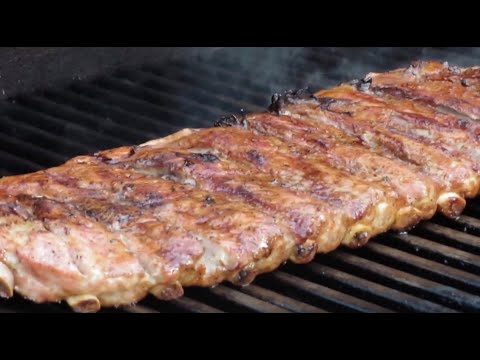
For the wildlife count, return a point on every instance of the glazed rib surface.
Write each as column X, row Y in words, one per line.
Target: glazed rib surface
column 230, row 202
column 416, row 194
column 90, row 229
column 367, row 207
column 449, row 89
column 455, row 178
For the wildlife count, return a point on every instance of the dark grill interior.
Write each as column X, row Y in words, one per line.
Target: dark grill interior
column 434, row 268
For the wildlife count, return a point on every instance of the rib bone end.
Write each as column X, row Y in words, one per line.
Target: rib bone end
column 171, row 292
column 451, row 204
column 6, row 281
column 84, row 303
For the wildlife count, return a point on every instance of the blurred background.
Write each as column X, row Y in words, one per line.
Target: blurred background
column 27, row 68
column 60, row 102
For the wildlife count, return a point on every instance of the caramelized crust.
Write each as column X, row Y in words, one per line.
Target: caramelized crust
column 230, row 202
column 310, row 219
column 407, row 118
column 404, row 135
column 87, row 228
column 416, row 194
column 455, row 179
column 445, row 88
column 368, row 208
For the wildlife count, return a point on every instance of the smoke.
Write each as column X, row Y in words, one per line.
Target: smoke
column 275, row 69
column 192, row 87
column 219, row 81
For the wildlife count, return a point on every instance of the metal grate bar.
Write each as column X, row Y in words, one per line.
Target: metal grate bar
column 14, row 162
column 381, row 294
column 161, row 120
column 428, row 268
column 145, row 100
column 246, row 301
column 218, row 78
column 24, row 149
column 401, row 280
column 195, row 306
column 466, row 223
column 450, row 237
column 102, row 125
column 435, row 251
column 60, row 127
column 280, row 300
column 42, row 138
column 323, row 294
column 94, row 108
column 102, row 108
column 140, row 309
column 198, row 93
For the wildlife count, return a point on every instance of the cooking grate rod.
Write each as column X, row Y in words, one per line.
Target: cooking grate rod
column 435, row 268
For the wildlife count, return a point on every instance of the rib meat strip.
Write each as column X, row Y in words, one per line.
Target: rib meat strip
column 449, row 89
column 456, row 180
column 416, row 193
column 96, row 235
column 368, row 208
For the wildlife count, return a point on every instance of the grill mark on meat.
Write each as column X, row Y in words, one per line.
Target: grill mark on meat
column 451, row 176
column 325, row 102
column 440, row 117
column 346, row 153
column 425, row 88
column 311, row 178
column 50, row 213
column 105, row 229
column 415, row 122
column 209, row 200
column 245, row 182
column 255, row 157
column 364, row 84
column 207, row 157
column 124, row 202
column 25, row 260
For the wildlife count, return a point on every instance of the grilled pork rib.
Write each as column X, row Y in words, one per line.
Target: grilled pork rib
column 416, row 121
column 424, row 147
column 425, row 82
column 97, row 235
column 368, row 208
column 455, row 179
column 316, row 225
column 438, row 71
column 230, row 202
column 416, row 193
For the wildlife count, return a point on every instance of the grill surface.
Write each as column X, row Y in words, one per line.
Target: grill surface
column 434, row 268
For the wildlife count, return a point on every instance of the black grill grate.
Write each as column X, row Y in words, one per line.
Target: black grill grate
column 435, row 268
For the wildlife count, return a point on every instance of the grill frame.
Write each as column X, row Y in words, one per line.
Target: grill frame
column 434, row 268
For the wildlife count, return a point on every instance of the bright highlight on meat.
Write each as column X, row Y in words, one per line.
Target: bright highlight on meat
column 227, row 203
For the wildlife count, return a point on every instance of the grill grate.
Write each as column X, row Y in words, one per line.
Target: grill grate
column 434, row 268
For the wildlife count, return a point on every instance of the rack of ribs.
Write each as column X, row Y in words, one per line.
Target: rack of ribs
column 227, row 203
